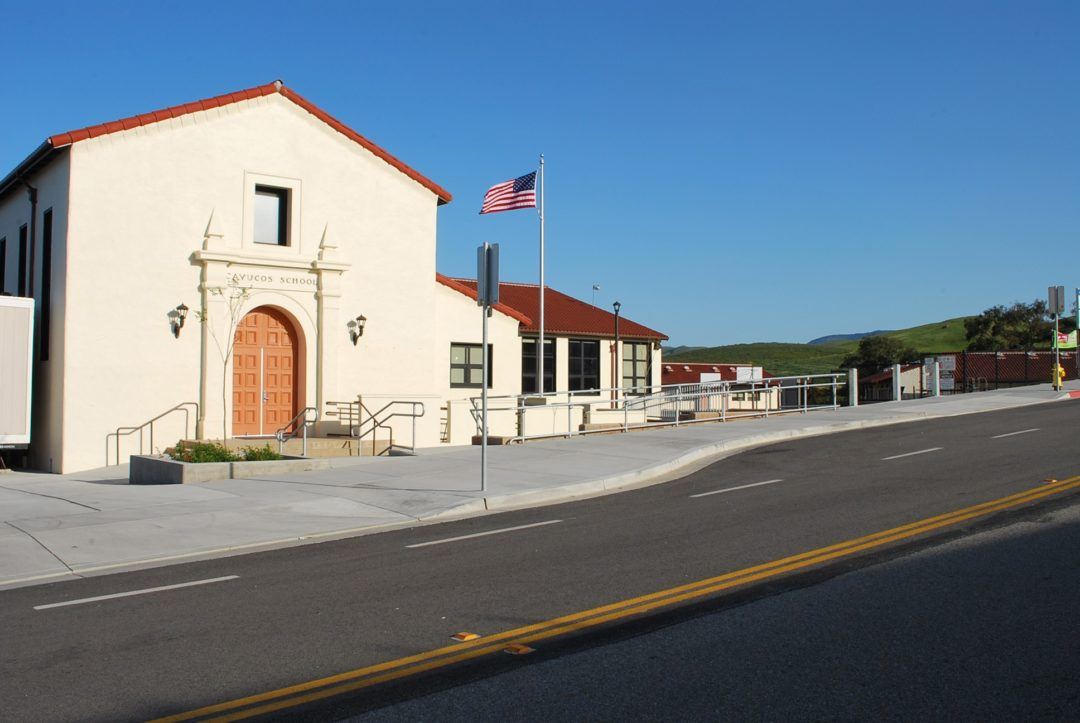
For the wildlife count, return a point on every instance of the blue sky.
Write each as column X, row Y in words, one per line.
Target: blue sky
column 730, row 172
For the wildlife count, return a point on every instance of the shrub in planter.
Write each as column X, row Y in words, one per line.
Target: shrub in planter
column 259, row 454
column 202, row 452
column 199, row 452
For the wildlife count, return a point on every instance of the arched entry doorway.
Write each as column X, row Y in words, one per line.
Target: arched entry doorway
column 266, row 371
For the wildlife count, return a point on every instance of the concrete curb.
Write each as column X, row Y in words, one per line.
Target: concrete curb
column 644, row 476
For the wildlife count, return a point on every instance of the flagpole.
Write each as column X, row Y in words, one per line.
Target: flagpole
column 540, row 347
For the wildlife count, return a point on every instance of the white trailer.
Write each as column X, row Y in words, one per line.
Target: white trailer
column 16, row 368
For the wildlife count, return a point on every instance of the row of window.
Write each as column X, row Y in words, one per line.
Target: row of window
column 23, row 271
column 583, row 374
column 22, row 274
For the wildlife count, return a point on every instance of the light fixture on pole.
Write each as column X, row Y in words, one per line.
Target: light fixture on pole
column 615, row 357
column 356, row 328
column 177, row 317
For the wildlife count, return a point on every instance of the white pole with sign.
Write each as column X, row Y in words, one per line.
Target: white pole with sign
column 487, row 295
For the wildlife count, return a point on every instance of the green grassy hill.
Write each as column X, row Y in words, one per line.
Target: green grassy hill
column 788, row 359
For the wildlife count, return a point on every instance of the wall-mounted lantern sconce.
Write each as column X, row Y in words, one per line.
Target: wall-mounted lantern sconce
column 176, row 319
column 356, row 328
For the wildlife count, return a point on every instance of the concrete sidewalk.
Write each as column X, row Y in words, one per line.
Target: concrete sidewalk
column 58, row 527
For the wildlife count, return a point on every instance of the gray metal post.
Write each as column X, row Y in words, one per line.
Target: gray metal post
column 484, row 403
column 853, row 387
column 569, row 414
column 935, row 378
column 896, row 382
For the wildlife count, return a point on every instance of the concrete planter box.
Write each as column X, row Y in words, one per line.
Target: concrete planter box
column 244, row 470
column 149, row 470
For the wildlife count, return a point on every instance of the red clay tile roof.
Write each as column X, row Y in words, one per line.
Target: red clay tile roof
column 563, row 314
column 673, row 372
column 66, row 139
column 471, row 293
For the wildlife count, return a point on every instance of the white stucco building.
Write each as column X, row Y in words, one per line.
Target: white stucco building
column 271, row 223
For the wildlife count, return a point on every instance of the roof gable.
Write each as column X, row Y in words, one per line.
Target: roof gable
column 471, row 293
column 61, row 140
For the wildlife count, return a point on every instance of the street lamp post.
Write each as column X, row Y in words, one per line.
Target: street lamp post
column 615, row 358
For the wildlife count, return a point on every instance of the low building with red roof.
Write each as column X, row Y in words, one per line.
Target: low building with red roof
column 878, row 387
column 674, row 372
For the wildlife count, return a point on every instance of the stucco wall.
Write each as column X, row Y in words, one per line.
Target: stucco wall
column 458, row 320
column 144, row 200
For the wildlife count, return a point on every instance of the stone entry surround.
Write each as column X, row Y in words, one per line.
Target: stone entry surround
column 305, row 294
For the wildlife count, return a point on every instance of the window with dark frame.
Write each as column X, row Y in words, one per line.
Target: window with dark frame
column 467, row 366
column 3, row 265
column 21, row 271
column 46, row 281
column 529, row 364
column 271, row 216
column 636, row 367
column 584, row 364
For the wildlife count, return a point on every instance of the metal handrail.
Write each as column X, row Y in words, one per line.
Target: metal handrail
column 357, row 431
column 664, row 405
column 125, row 431
column 283, row 435
column 381, row 422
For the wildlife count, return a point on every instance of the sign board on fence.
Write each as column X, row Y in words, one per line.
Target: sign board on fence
column 748, row 374
column 946, row 370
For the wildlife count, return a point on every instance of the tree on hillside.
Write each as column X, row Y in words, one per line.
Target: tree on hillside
column 1020, row 326
column 877, row 352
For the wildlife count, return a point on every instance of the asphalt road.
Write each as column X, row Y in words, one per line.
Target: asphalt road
column 302, row 613
column 982, row 628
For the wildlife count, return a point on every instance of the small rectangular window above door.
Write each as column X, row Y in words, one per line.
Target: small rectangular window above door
column 271, row 216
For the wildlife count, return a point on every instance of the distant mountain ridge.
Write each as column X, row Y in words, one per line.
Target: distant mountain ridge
column 824, row 354
column 849, row 337
column 679, row 349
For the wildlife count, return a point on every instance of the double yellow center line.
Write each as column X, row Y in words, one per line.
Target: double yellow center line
column 360, row 678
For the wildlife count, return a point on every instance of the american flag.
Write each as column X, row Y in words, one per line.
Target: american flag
column 516, row 193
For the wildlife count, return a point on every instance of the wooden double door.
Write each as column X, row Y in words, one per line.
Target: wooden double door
column 265, row 362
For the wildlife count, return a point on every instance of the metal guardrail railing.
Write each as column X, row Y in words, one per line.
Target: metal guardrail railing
column 352, row 416
column 572, row 413
column 298, row 425
column 184, row 407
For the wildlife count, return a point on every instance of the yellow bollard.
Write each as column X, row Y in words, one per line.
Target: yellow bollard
column 1058, row 376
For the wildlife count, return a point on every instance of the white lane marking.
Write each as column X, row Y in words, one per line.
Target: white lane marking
column 912, row 454
column 484, row 534
column 144, row 591
column 740, row 487
column 1010, row 434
